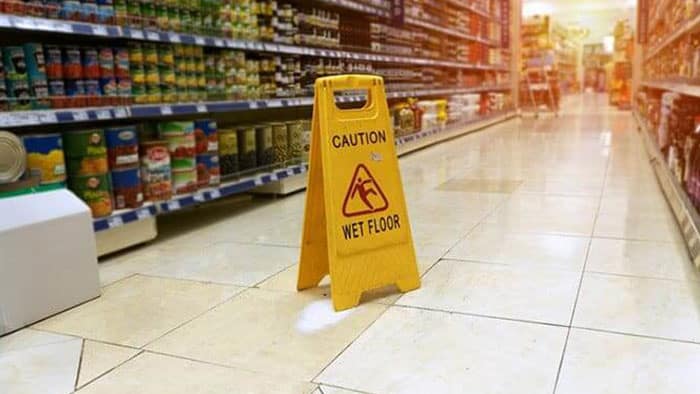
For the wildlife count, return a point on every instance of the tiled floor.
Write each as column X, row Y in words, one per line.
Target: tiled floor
column 550, row 262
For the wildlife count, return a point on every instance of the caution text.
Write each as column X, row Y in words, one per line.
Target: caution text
column 358, row 138
column 371, row 226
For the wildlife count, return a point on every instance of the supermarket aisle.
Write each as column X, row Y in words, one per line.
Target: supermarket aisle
column 550, row 263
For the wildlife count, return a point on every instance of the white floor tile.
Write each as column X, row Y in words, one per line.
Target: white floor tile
column 641, row 258
column 99, row 358
column 417, row 351
column 33, row 361
column 489, row 243
column 604, row 363
column 642, row 306
column 294, row 335
column 497, row 290
column 152, row 373
column 139, row 309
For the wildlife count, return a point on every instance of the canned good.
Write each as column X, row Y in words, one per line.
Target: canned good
column 122, row 146
column 182, row 151
column 150, row 54
column 280, row 143
column 155, row 170
column 152, row 75
column 126, row 187
column 93, row 92
column 90, row 62
column 45, row 158
column 136, row 53
column 15, row 63
column 162, row 17
column 84, row 143
column 121, row 63
column 228, row 151
column 153, row 94
column 124, row 90
column 247, row 158
column 88, row 12
column 133, row 10
column 168, row 94
column 165, row 55
column 53, row 61
column 19, row 94
column 138, row 75
column 264, row 145
column 208, row 170
column 71, row 10
column 72, row 63
column 148, row 15
column 13, row 157
column 185, row 181
column 57, row 94
column 167, row 76
column 205, row 135
column 174, row 19
column 95, row 190
column 35, row 62
column 108, row 87
column 305, row 140
column 294, row 140
column 106, row 62
column 75, row 92
column 175, row 128
column 105, row 14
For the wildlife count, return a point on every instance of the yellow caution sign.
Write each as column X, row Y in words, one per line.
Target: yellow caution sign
column 356, row 225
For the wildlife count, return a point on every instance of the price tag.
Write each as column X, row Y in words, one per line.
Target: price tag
column 80, row 116
column 175, row 38
column 173, row 205
column 166, row 110
column 137, row 34
column 103, row 114
column 120, row 112
column 5, row 21
column 274, row 104
column 258, row 182
column 153, row 36
column 215, row 193
column 253, row 105
column 199, row 40
column 143, row 214
column 218, row 42
column 47, row 117
column 115, row 221
column 99, row 30
column 24, row 23
column 199, row 197
column 201, row 108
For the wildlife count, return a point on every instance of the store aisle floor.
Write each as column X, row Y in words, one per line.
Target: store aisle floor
column 550, row 262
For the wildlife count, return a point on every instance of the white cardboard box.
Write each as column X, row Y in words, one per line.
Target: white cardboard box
column 48, row 258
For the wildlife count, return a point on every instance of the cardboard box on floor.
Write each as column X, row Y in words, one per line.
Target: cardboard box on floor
column 48, row 259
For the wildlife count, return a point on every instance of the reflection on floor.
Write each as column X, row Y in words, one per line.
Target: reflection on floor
column 550, row 263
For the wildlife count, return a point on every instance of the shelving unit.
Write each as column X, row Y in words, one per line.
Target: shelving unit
column 483, row 67
column 670, row 89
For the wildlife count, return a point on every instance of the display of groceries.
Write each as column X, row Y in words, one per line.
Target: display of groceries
column 121, row 167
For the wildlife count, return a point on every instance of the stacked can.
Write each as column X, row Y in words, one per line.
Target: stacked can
column 107, row 80
column 181, row 146
column 228, row 151
column 294, row 141
column 138, row 73
column 156, row 173
column 215, row 75
column 53, row 60
column 190, row 73
column 91, row 73
column 36, row 75
column 264, row 145
column 73, row 76
column 166, row 71
column 207, row 147
column 16, row 79
column 45, row 159
column 280, row 143
column 152, row 73
column 247, row 156
column 122, row 74
column 88, row 172
column 305, row 140
column 123, row 156
column 235, row 74
column 105, row 12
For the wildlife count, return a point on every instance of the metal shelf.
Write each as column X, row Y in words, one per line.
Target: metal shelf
column 355, row 6
column 77, row 115
column 116, row 32
column 683, row 209
column 440, row 29
column 679, row 87
column 688, row 27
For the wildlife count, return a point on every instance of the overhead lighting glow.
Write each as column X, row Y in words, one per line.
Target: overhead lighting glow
column 537, row 8
column 609, row 44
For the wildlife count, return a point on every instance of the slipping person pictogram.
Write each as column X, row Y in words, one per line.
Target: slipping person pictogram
column 364, row 195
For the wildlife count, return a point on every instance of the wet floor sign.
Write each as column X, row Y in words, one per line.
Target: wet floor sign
column 356, row 226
